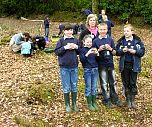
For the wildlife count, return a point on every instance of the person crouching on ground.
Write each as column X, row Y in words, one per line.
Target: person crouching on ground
column 17, row 40
column 67, row 49
column 88, row 57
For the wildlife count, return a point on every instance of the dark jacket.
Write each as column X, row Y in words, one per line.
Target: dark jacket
column 109, row 24
column 46, row 23
column 86, row 32
column 105, row 59
column 90, row 61
column 140, row 51
column 67, row 58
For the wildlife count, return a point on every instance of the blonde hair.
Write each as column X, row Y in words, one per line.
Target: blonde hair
column 103, row 24
column 129, row 26
column 86, row 36
column 89, row 17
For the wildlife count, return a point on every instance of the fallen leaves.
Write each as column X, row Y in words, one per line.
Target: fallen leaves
column 19, row 76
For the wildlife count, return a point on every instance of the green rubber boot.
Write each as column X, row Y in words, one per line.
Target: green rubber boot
column 67, row 102
column 94, row 103
column 89, row 103
column 74, row 98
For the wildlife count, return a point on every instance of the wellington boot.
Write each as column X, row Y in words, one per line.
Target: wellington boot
column 74, row 98
column 133, row 104
column 128, row 100
column 67, row 102
column 94, row 103
column 89, row 103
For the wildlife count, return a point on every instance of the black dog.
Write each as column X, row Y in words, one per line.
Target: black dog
column 40, row 42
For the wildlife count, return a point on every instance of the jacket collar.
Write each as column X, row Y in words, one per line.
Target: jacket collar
column 129, row 39
column 65, row 37
column 102, row 37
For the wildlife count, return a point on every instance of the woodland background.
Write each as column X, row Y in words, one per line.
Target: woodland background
column 30, row 88
column 138, row 11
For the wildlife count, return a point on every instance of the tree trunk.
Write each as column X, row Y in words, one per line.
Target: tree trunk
column 95, row 6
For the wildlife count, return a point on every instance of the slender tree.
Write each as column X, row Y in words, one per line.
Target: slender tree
column 95, row 6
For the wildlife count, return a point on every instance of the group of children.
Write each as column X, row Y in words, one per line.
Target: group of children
column 25, row 44
column 96, row 57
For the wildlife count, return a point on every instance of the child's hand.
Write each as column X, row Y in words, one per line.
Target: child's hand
column 73, row 46
column 67, row 46
column 125, row 49
column 108, row 47
column 132, row 51
column 102, row 47
column 94, row 50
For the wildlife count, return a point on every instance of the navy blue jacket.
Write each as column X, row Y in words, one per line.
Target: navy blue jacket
column 103, row 60
column 109, row 24
column 90, row 61
column 67, row 58
column 140, row 51
column 46, row 23
column 87, row 12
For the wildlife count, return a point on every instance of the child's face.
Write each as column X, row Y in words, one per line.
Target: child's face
column 92, row 22
column 88, row 42
column 102, row 30
column 128, row 32
column 68, row 33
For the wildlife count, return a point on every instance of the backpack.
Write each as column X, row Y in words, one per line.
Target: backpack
column 26, row 48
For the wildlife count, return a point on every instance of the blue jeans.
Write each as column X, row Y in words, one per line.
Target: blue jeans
column 90, row 77
column 107, row 77
column 69, row 79
column 46, row 32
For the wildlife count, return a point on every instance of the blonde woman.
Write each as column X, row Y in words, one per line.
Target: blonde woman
column 91, row 28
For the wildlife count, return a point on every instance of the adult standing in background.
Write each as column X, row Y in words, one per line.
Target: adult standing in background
column 91, row 28
column 46, row 24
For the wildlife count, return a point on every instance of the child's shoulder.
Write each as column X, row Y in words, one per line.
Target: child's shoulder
column 96, row 39
column 136, row 37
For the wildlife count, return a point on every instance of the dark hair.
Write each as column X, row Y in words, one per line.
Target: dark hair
column 67, row 27
column 27, row 35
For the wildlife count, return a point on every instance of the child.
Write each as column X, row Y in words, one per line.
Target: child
column 46, row 24
column 88, row 59
column 67, row 49
column 109, row 24
column 17, row 40
column 100, row 17
column 130, row 49
column 61, row 28
column 106, row 49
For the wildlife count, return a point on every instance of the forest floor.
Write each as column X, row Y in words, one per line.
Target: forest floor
column 30, row 88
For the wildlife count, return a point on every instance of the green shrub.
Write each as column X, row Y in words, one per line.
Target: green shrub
column 5, row 40
column 24, row 122
column 41, row 93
